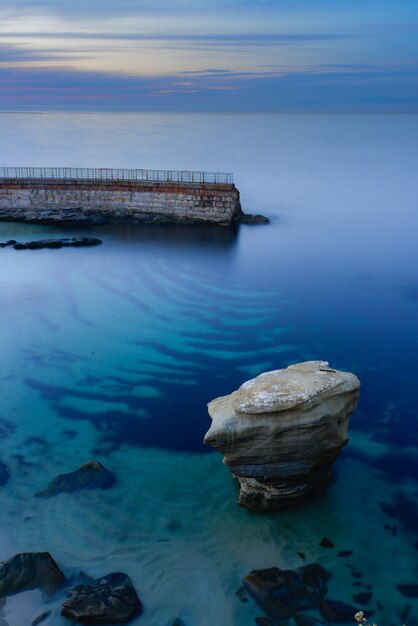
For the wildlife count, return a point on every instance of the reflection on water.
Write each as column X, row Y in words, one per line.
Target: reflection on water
column 113, row 353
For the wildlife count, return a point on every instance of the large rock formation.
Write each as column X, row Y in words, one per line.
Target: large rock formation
column 282, row 593
column 281, row 431
column 111, row 599
column 30, row 570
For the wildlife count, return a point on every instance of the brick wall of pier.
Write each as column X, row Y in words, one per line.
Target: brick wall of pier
column 50, row 200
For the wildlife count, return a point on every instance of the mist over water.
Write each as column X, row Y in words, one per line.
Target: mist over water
column 113, row 352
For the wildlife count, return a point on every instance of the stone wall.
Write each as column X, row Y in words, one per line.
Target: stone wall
column 47, row 200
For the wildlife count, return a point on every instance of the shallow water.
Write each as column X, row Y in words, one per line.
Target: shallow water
column 113, row 352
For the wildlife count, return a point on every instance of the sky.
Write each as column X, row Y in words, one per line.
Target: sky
column 212, row 55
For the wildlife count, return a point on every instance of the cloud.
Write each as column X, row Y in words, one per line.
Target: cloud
column 209, row 70
column 57, row 89
column 212, row 73
column 12, row 54
column 207, row 54
column 156, row 6
column 163, row 6
column 264, row 38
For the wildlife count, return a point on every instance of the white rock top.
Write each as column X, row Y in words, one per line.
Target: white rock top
column 303, row 385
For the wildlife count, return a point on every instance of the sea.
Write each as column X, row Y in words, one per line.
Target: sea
column 113, row 352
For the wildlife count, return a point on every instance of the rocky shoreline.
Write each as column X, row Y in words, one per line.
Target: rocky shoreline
column 65, row 242
column 75, row 217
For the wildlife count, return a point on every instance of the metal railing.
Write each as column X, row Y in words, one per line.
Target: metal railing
column 87, row 173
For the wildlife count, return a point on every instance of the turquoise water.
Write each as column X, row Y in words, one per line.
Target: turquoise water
column 113, row 352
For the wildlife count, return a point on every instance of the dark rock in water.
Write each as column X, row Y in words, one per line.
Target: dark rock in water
column 307, row 620
column 301, row 555
column 326, row 543
column 30, row 570
column 335, row 611
column 345, row 553
column 4, row 474
column 32, row 245
column 75, row 242
column 41, row 618
column 281, row 593
column 78, row 242
column 249, row 218
column 110, row 599
column 11, row 242
column 362, row 598
column 409, row 591
column 356, row 574
column 177, row 622
column 242, row 594
column 90, row 475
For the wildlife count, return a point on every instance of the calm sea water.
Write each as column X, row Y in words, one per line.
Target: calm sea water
column 113, row 352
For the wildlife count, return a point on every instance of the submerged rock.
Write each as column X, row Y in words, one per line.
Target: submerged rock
column 30, row 570
column 249, row 218
column 110, row 599
column 90, row 475
column 281, row 431
column 281, row 593
column 74, row 242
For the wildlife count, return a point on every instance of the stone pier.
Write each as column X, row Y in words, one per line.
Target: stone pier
column 60, row 195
